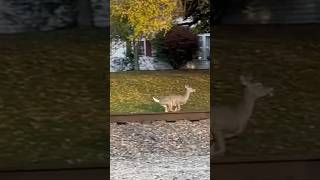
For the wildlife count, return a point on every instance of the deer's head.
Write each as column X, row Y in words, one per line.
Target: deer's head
column 256, row 89
column 189, row 89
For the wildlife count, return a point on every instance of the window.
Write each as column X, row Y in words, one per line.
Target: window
column 207, row 48
column 204, row 47
column 200, row 42
column 141, row 48
column 207, row 41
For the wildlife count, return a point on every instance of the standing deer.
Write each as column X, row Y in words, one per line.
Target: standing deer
column 229, row 122
column 168, row 102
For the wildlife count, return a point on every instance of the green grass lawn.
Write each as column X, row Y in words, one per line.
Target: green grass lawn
column 133, row 91
column 52, row 98
column 287, row 123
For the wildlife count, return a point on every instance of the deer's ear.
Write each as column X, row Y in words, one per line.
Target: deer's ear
column 243, row 80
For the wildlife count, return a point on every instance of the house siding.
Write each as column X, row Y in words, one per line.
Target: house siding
column 273, row 12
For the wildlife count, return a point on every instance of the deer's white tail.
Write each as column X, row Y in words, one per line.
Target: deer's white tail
column 156, row 100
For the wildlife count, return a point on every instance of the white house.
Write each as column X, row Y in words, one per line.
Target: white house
column 147, row 54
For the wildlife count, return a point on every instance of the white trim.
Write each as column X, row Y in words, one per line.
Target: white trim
column 145, row 47
column 204, row 34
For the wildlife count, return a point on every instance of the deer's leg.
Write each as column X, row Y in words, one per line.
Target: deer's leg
column 173, row 106
column 235, row 134
column 240, row 130
column 179, row 107
column 220, row 147
column 170, row 107
column 176, row 109
column 165, row 108
column 230, row 135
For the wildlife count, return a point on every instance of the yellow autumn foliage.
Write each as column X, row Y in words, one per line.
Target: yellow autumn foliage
column 146, row 17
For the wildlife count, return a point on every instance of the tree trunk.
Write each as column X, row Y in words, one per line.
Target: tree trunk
column 136, row 55
column 129, row 52
column 85, row 13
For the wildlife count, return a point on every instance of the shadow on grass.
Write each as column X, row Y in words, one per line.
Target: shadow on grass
column 150, row 107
